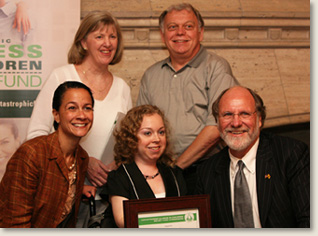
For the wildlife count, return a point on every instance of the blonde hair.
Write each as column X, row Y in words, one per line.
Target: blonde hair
column 91, row 22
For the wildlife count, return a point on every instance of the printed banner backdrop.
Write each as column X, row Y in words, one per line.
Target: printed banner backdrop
column 27, row 58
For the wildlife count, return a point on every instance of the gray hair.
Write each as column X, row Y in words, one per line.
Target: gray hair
column 180, row 7
column 259, row 104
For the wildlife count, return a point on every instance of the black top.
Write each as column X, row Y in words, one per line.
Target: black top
column 119, row 184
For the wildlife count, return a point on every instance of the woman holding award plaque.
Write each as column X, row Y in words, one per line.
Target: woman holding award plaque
column 147, row 168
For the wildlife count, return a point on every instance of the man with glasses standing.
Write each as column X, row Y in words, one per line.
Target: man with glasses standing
column 260, row 180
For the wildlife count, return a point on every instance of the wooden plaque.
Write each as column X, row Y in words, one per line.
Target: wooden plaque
column 170, row 212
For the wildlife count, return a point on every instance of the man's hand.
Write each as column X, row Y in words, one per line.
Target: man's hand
column 97, row 172
column 206, row 139
column 111, row 166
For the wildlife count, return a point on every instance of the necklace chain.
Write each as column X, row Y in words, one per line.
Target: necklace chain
column 151, row 177
column 98, row 90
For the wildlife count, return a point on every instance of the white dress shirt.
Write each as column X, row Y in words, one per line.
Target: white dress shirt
column 250, row 173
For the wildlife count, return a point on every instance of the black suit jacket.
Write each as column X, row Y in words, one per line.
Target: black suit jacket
column 283, row 198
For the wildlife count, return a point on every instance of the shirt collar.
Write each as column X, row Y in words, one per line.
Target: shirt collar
column 54, row 144
column 249, row 158
column 194, row 62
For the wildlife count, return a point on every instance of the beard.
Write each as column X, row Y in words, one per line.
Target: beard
column 240, row 143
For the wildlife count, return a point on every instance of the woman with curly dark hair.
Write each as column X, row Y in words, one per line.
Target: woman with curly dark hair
column 143, row 151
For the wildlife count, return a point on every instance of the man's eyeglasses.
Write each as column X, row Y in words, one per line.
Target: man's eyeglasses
column 242, row 115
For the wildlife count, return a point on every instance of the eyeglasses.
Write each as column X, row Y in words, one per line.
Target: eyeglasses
column 242, row 115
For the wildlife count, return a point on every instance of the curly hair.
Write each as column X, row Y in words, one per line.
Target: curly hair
column 126, row 145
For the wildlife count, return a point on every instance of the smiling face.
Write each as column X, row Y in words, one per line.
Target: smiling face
column 101, row 45
column 75, row 115
column 151, row 139
column 182, row 35
column 239, row 133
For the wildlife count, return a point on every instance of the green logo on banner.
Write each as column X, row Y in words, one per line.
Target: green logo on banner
column 17, row 103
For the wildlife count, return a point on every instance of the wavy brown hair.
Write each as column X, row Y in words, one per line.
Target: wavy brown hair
column 126, row 145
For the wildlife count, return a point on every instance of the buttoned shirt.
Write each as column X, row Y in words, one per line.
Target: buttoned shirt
column 186, row 96
column 35, row 186
column 250, row 173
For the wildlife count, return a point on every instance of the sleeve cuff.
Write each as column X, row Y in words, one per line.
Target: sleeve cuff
column 9, row 8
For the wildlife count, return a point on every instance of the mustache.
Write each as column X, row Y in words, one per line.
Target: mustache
column 234, row 130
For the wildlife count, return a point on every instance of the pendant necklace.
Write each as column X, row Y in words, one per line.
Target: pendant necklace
column 151, row 177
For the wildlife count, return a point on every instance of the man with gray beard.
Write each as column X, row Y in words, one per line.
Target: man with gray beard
column 260, row 180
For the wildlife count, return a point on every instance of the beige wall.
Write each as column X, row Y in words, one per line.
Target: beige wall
column 267, row 43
